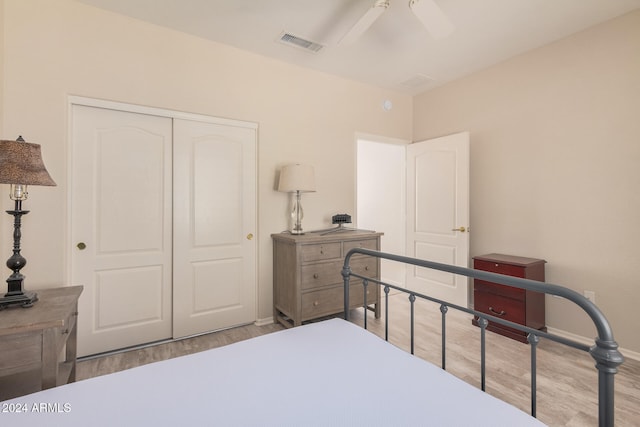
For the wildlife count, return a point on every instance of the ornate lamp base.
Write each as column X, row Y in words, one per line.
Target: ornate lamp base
column 16, row 295
column 24, row 299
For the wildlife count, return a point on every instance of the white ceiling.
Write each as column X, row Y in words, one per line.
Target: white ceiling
column 396, row 50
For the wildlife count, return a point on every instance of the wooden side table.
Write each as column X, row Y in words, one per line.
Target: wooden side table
column 32, row 342
column 513, row 304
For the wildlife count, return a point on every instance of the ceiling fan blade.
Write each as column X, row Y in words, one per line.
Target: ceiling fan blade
column 432, row 17
column 365, row 22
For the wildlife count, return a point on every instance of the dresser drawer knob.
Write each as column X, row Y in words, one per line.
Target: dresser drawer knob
column 315, row 275
column 366, row 268
column 500, row 313
column 316, row 303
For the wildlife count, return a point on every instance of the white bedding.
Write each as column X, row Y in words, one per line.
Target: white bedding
column 328, row 373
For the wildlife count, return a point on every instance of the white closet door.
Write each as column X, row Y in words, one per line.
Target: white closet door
column 214, row 226
column 121, row 227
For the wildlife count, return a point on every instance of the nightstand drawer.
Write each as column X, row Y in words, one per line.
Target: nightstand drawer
column 499, row 306
column 322, row 251
column 500, row 268
column 322, row 274
column 496, row 289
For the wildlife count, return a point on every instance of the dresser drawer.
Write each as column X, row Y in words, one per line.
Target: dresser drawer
column 367, row 267
column 356, row 294
column 321, row 251
column 366, row 244
column 499, row 306
column 321, row 303
column 321, row 274
column 330, row 301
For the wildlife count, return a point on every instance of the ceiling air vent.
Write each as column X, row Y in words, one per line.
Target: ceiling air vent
column 417, row 81
column 291, row 40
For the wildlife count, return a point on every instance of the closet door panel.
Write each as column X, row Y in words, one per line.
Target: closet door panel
column 214, row 225
column 120, row 222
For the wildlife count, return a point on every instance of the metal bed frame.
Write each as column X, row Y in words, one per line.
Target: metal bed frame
column 604, row 351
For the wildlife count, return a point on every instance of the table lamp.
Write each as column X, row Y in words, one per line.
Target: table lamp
column 297, row 178
column 20, row 165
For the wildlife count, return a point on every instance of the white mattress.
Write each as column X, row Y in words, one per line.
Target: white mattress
column 329, row 373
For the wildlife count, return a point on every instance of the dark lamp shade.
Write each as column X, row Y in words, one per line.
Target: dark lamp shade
column 21, row 163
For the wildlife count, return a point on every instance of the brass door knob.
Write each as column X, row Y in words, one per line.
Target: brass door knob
column 249, row 236
column 82, row 246
column 460, row 229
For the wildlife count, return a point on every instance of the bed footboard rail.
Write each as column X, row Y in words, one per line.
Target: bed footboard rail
column 604, row 350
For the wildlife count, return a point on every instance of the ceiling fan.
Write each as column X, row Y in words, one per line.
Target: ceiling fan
column 427, row 11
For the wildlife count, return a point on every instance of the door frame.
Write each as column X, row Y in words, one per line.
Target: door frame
column 154, row 111
column 394, row 274
column 405, row 144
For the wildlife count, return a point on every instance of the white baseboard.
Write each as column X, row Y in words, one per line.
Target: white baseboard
column 264, row 322
column 628, row 354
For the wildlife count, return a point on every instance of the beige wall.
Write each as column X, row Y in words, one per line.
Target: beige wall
column 555, row 165
column 554, row 150
column 1, row 70
column 61, row 48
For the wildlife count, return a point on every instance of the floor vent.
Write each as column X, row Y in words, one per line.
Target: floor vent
column 291, row 40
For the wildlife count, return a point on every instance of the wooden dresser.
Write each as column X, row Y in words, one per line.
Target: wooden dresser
column 38, row 344
column 513, row 304
column 307, row 279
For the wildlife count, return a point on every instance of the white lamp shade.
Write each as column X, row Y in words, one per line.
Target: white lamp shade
column 297, row 177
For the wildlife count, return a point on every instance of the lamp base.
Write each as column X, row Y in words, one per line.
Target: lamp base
column 24, row 299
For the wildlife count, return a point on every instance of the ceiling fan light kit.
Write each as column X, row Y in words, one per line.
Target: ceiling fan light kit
column 427, row 11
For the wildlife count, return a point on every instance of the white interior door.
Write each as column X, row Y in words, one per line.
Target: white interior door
column 214, row 225
column 438, row 214
column 121, row 227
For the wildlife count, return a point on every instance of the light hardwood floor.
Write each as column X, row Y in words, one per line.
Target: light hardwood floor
column 567, row 378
